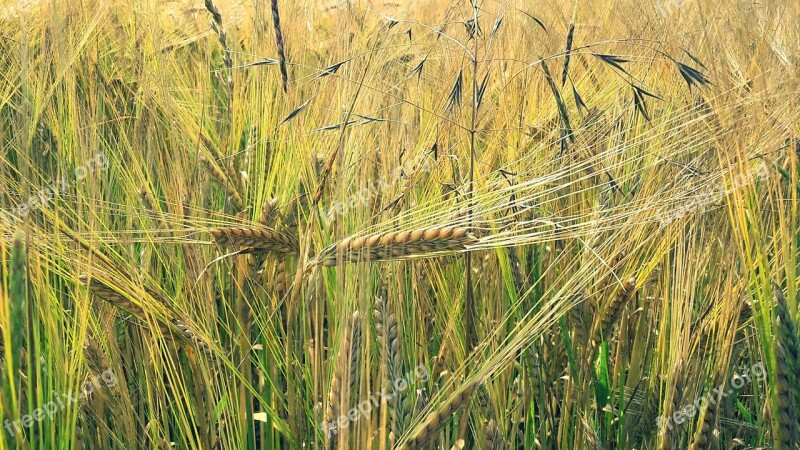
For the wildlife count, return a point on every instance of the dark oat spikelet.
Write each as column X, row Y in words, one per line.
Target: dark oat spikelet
column 276, row 20
column 567, row 53
column 257, row 239
column 346, row 365
column 95, row 356
column 394, row 245
column 516, row 270
column 435, row 419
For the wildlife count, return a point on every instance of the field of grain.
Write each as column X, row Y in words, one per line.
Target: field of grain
column 439, row 224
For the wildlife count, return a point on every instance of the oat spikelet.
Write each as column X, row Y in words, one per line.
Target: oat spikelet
column 190, row 335
column 258, row 239
column 276, row 20
column 394, row 245
column 346, row 365
column 216, row 25
column 391, row 356
column 95, row 356
column 435, row 419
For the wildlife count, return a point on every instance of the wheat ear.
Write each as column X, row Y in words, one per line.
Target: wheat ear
column 787, row 384
column 435, row 419
column 258, row 239
column 105, row 292
column 703, row 436
column 346, row 365
column 394, row 245
column 612, row 312
column 391, row 355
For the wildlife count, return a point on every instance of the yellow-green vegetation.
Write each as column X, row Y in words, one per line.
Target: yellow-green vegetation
column 421, row 225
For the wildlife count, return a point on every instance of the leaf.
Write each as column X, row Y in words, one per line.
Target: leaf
column 612, row 60
column 295, row 112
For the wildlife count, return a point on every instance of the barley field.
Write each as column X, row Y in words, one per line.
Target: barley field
column 377, row 224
